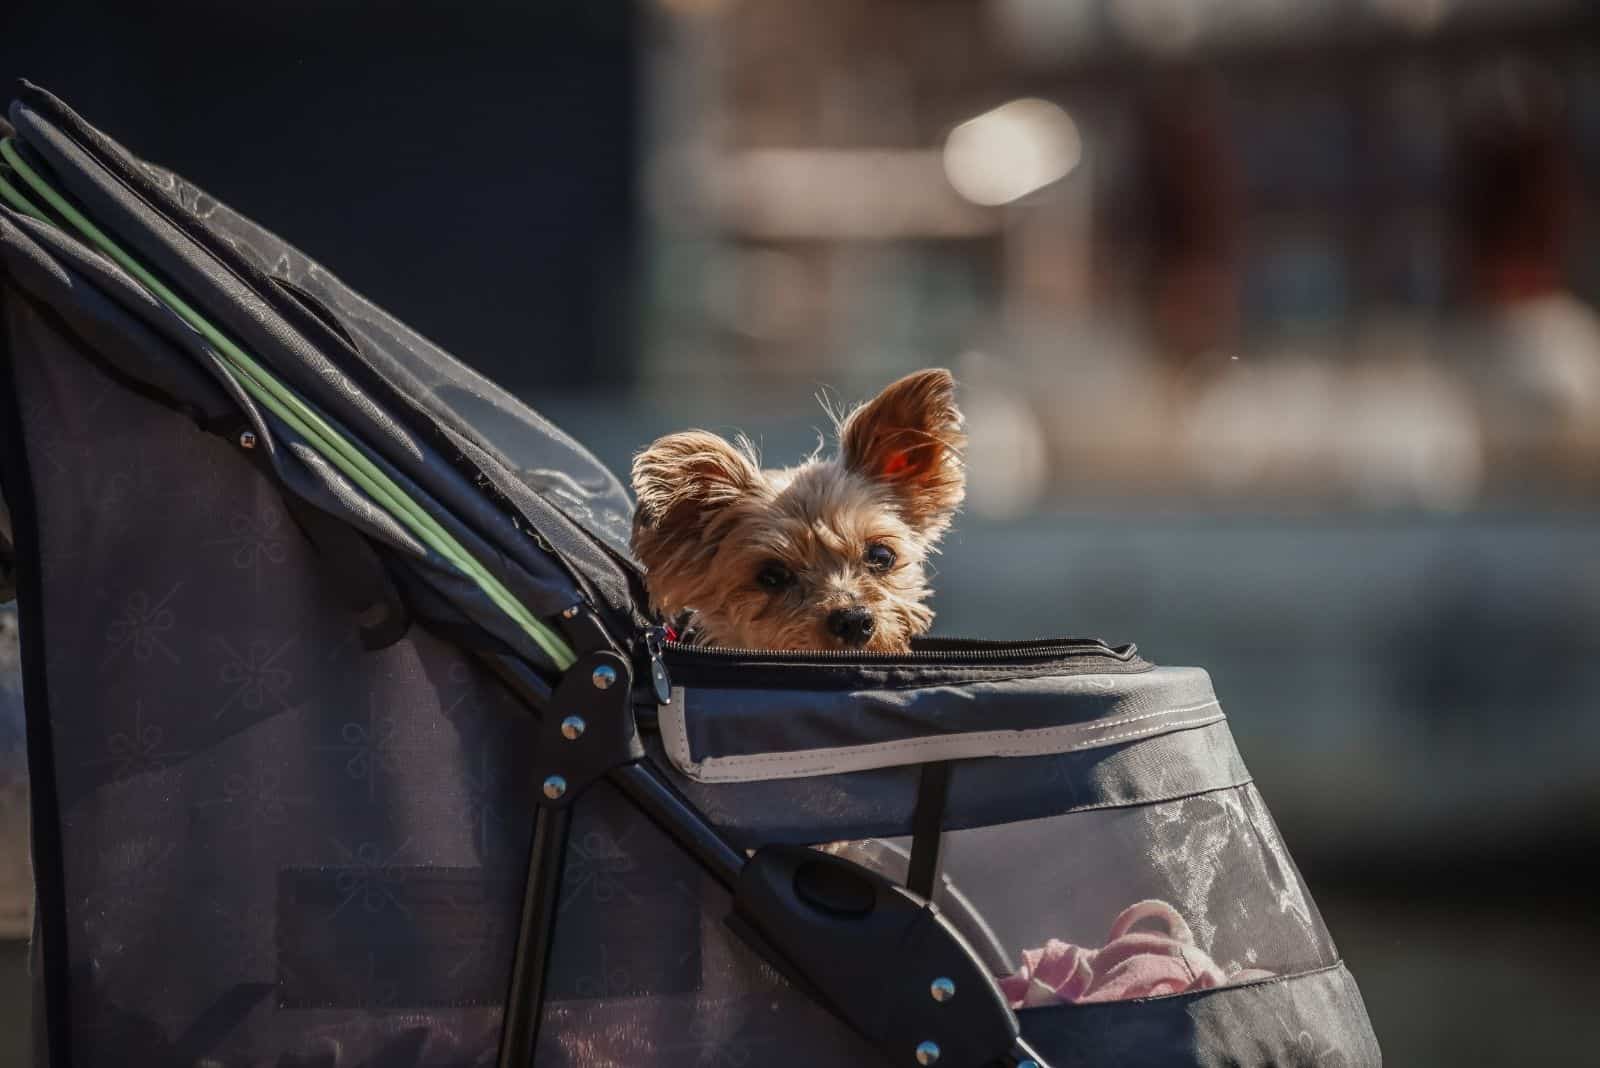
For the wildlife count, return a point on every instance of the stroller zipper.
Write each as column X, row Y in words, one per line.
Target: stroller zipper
column 660, row 680
column 953, row 651
column 936, row 651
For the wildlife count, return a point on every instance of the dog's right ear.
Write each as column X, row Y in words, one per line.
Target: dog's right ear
column 682, row 482
column 909, row 438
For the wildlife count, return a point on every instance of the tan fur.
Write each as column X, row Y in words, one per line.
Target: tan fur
column 710, row 519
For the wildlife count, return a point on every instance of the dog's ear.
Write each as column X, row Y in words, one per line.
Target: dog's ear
column 909, row 438
column 682, row 482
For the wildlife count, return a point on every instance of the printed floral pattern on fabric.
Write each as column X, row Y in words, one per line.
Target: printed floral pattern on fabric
column 1150, row 951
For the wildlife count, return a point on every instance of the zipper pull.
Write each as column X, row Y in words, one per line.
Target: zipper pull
column 659, row 679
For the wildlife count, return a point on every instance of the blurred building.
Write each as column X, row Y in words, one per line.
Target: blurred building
column 1276, row 326
column 471, row 164
column 1221, row 248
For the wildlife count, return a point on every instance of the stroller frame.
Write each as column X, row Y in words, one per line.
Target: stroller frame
column 410, row 513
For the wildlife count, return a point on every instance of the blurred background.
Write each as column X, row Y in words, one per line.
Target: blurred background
column 1275, row 320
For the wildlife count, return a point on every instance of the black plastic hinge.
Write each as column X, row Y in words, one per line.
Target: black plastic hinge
column 586, row 729
column 581, row 626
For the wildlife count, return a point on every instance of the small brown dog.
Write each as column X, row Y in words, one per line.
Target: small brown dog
column 830, row 554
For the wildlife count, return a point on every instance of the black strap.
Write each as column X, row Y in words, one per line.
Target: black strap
column 927, row 830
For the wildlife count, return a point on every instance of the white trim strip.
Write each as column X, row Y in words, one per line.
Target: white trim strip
column 804, row 763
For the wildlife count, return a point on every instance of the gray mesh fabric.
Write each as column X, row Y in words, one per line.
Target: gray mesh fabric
column 1209, row 869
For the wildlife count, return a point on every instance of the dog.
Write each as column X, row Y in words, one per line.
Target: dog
column 827, row 555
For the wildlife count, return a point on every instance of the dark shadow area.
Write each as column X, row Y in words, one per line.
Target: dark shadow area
column 472, row 164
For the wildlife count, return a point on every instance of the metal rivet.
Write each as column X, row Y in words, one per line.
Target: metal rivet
column 247, row 439
column 554, row 787
column 569, row 613
column 927, row 1052
column 572, row 728
column 942, row 989
column 604, row 676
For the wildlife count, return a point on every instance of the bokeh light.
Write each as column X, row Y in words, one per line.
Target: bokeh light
column 1016, row 149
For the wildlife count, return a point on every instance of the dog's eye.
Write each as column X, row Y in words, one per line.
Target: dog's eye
column 880, row 557
column 775, row 576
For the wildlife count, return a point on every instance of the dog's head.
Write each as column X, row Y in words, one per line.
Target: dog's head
column 827, row 555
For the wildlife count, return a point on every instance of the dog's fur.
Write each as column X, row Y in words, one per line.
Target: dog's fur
column 714, row 531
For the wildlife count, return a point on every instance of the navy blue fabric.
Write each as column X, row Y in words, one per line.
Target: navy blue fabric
column 771, row 722
column 879, row 803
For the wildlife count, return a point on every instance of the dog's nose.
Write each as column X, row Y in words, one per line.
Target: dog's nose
column 853, row 626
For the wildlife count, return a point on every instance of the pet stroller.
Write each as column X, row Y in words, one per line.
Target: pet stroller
column 351, row 741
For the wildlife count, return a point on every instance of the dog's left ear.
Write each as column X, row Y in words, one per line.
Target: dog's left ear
column 909, row 438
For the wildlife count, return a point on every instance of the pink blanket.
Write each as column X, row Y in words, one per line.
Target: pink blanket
column 1150, row 951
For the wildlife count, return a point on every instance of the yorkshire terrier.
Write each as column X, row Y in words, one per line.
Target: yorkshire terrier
column 829, row 554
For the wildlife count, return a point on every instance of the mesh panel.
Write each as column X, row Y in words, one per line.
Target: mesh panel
column 1127, row 902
